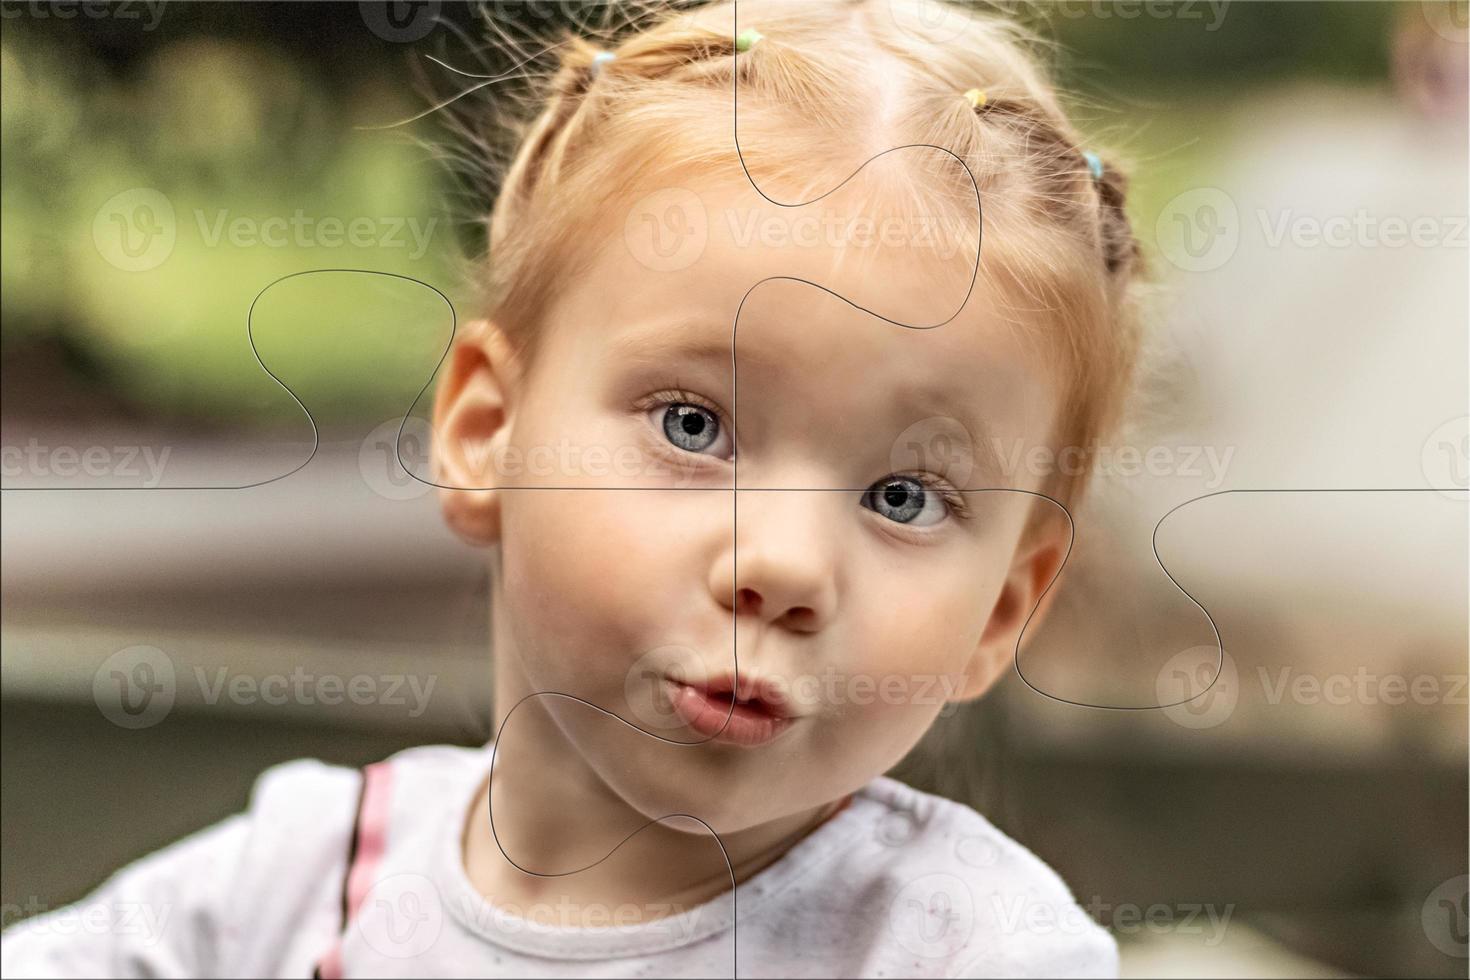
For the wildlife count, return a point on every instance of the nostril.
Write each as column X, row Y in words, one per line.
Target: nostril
column 800, row 617
column 748, row 601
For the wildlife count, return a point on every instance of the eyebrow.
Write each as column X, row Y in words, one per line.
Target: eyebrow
column 680, row 340
column 685, row 340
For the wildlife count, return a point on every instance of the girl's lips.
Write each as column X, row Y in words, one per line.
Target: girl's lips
column 719, row 716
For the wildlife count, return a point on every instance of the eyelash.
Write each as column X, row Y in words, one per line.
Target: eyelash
column 677, row 395
column 954, row 501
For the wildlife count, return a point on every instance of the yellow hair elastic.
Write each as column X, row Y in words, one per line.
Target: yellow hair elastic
column 976, row 97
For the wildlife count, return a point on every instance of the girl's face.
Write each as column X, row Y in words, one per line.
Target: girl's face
column 759, row 552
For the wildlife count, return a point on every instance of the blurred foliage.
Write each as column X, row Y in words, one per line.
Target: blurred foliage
column 253, row 111
column 1215, row 46
column 265, row 175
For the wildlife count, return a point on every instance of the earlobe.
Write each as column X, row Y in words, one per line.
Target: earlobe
column 471, row 424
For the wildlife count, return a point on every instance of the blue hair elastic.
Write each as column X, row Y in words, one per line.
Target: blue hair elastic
column 599, row 59
column 1094, row 164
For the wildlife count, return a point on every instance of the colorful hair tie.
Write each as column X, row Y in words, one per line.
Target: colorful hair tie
column 976, row 97
column 1094, row 164
column 599, row 59
column 747, row 39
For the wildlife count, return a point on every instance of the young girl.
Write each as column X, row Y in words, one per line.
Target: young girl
column 733, row 582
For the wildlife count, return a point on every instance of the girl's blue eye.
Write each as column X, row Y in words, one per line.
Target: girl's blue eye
column 904, row 500
column 692, row 428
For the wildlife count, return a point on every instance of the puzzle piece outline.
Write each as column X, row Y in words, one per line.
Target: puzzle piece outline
column 736, row 488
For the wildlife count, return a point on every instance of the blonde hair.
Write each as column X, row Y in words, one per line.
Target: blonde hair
column 834, row 79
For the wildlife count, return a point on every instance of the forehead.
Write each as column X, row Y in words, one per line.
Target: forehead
column 676, row 286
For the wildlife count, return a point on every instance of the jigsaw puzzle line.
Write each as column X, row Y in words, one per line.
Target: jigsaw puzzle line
column 724, row 853
column 310, row 419
column 1219, row 642
column 486, row 80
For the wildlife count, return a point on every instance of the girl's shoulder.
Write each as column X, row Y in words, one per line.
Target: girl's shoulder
column 311, row 805
column 960, row 892
column 919, row 823
column 256, row 894
column 316, row 809
column 283, row 905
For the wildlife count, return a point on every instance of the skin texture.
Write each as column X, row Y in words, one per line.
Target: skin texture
column 868, row 625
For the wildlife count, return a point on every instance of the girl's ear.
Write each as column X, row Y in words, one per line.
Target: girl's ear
column 1023, row 601
column 472, row 412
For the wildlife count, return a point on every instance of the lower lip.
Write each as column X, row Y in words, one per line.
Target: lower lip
column 716, row 719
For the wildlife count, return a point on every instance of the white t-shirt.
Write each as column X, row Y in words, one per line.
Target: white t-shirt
column 897, row 884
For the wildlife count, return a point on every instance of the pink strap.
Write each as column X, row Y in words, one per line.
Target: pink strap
column 370, row 839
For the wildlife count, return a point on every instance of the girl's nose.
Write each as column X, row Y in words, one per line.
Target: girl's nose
column 782, row 566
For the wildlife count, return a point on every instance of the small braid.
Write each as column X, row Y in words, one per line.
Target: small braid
column 1056, row 145
column 1122, row 253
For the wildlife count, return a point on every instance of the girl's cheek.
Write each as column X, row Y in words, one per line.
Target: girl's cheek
column 614, row 570
column 923, row 648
